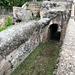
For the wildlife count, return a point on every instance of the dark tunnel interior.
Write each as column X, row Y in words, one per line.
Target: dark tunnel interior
column 53, row 33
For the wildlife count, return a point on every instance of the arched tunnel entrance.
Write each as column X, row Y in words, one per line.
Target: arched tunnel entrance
column 53, row 33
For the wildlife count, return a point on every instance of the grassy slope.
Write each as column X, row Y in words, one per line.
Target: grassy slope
column 41, row 61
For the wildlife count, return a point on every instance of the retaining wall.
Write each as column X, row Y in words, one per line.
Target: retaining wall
column 18, row 41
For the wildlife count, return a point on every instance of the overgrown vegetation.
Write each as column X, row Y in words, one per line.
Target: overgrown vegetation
column 41, row 61
column 37, row 16
column 16, row 23
column 8, row 23
column 4, row 28
column 4, row 73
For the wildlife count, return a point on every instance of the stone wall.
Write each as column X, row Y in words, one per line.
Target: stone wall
column 4, row 11
column 41, row 7
column 33, row 6
column 2, row 22
column 50, row 7
column 66, row 61
column 3, row 14
column 18, row 41
column 15, row 10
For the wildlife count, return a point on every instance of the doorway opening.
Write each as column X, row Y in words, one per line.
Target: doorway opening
column 53, row 33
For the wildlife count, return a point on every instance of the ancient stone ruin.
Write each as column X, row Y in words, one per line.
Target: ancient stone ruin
column 18, row 41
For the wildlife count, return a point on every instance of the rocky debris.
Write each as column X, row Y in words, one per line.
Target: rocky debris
column 24, row 15
column 45, row 4
column 15, row 10
column 33, row 6
column 49, row 14
column 49, row 7
column 53, row 13
column 50, row 4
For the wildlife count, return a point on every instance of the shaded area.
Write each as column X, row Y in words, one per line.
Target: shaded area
column 53, row 33
column 41, row 61
column 18, row 20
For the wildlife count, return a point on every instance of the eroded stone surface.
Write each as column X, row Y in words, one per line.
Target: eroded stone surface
column 18, row 41
column 66, row 65
column 24, row 15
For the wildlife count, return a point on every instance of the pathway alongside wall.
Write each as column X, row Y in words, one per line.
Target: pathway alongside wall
column 66, row 64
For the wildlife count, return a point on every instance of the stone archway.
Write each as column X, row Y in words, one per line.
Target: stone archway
column 53, row 33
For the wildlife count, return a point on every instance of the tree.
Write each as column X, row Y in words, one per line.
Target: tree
column 11, row 3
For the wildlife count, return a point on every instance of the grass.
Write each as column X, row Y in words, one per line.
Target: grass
column 4, row 28
column 41, row 61
column 36, row 18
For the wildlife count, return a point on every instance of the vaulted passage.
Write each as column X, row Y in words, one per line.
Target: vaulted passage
column 53, row 33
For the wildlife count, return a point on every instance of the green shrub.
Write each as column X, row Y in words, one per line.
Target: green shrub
column 11, row 66
column 38, row 18
column 26, row 21
column 8, row 22
column 16, row 23
column 38, row 15
column 0, row 25
column 27, row 4
column 3, row 28
column 4, row 73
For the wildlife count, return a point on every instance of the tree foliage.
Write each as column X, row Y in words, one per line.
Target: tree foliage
column 11, row 3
